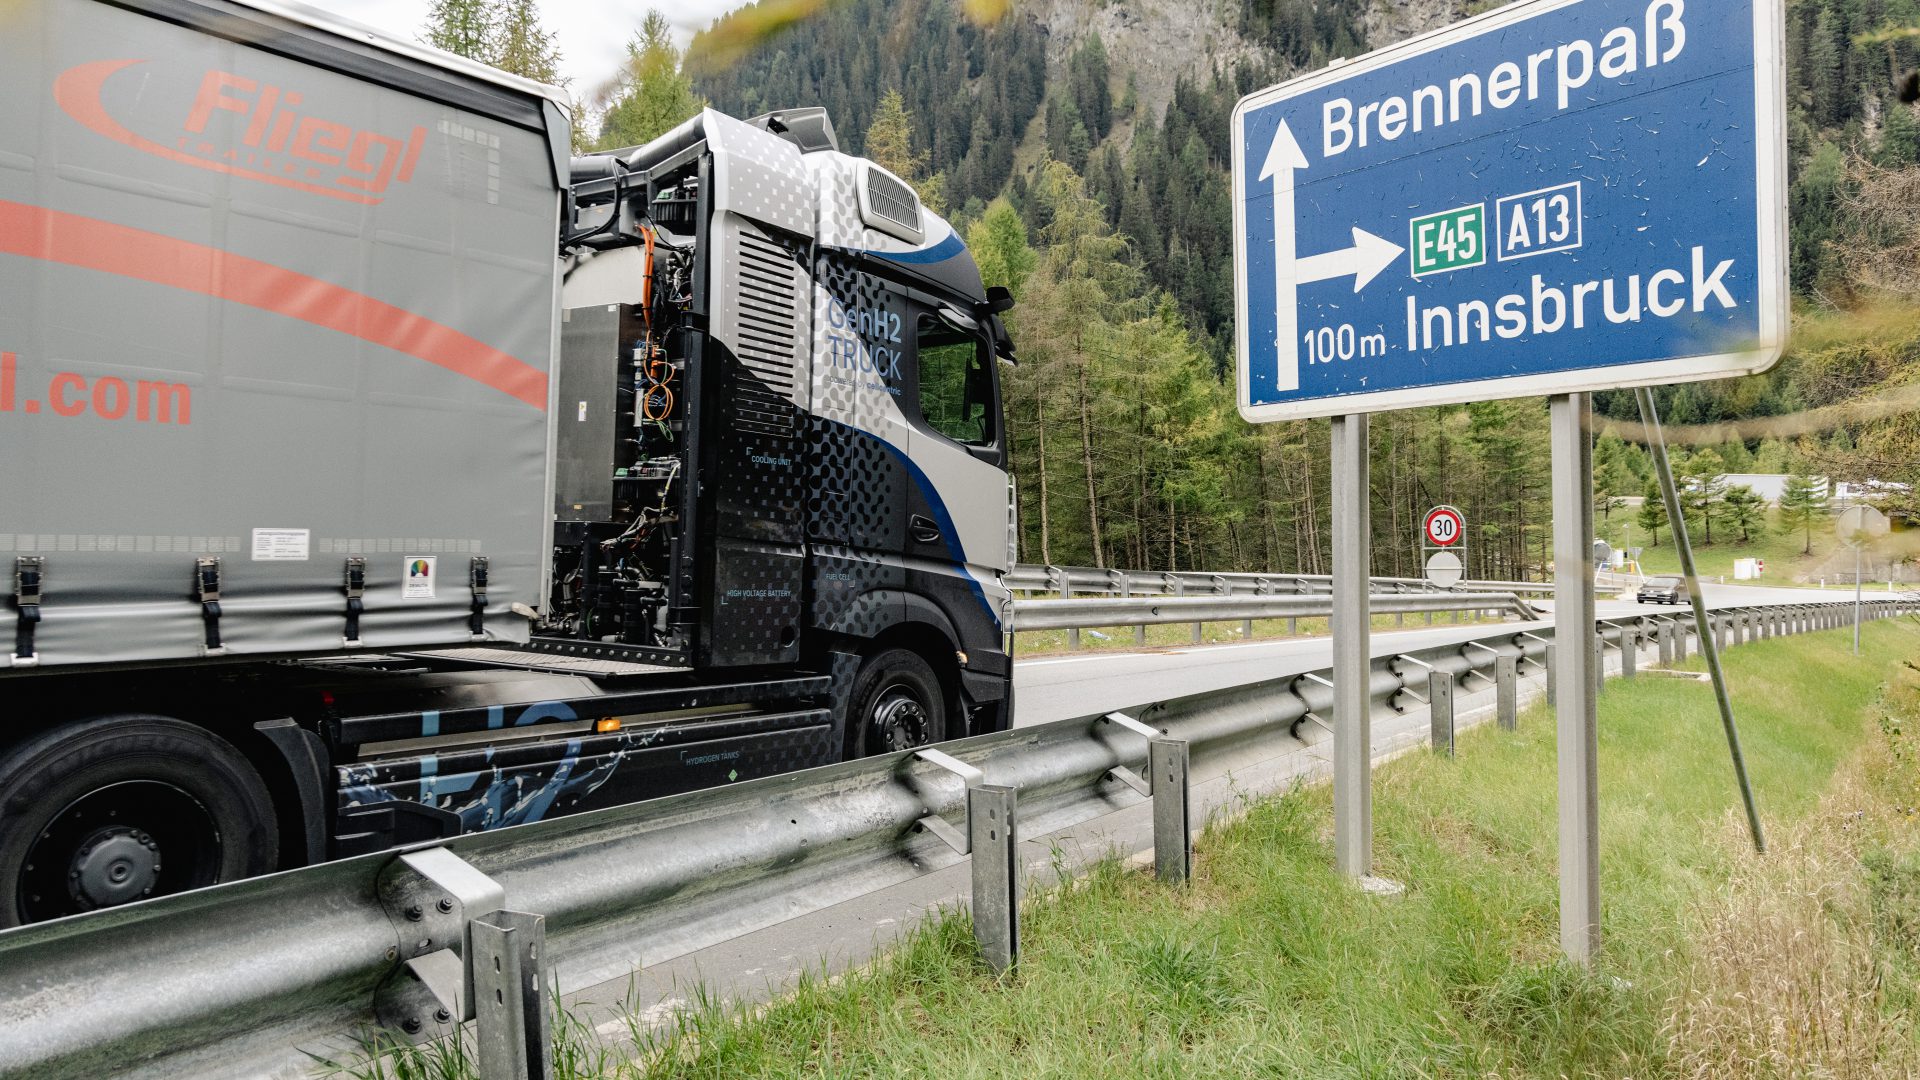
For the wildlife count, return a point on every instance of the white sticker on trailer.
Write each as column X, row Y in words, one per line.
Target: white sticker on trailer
column 281, row 545
column 416, row 579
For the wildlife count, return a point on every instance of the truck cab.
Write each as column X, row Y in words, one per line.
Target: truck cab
column 843, row 412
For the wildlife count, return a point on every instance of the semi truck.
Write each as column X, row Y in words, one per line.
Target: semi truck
column 375, row 470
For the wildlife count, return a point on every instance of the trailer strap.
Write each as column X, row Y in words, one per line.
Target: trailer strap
column 477, row 578
column 206, row 589
column 27, row 571
column 356, row 588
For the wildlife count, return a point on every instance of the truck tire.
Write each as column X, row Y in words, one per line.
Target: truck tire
column 108, row 811
column 897, row 704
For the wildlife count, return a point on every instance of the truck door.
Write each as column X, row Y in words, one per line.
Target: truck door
column 857, row 441
column 956, row 542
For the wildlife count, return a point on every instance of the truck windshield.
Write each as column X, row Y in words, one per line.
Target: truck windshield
column 956, row 383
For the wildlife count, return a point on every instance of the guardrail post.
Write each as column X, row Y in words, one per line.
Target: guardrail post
column 1599, row 661
column 432, row 897
column 1166, row 784
column 1663, row 638
column 1140, row 629
column 1553, row 674
column 1172, row 825
column 510, row 1013
column 990, row 844
column 1440, row 710
column 996, row 885
column 465, row 956
column 1066, row 593
column 1629, row 650
column 1506, row 691
column 1680, row 632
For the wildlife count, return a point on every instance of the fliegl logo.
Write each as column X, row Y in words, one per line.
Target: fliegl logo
column 255, row 130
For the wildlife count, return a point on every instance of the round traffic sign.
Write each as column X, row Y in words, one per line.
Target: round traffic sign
column 1444, row 569
column 1445, row 526
column 1860, row 524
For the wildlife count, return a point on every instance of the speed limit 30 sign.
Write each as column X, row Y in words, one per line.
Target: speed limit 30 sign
column 1444, row 527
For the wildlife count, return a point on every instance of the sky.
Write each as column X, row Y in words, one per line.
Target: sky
column 592, row 33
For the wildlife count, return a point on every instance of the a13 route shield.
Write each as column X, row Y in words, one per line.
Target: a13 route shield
column 1559, row 196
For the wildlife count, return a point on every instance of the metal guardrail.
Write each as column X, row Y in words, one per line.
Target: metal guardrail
column 1158, row 610
column 252, row 978
column 1070, row 581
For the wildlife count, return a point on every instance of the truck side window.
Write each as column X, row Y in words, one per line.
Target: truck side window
column 956, row 386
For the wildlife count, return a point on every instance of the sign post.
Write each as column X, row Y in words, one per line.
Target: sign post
column 1860, row 526
column 1552, row 198
column 1577, row 703
column 1352, row 650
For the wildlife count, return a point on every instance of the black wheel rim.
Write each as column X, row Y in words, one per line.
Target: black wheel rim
column 117, row 844
column 901, row 720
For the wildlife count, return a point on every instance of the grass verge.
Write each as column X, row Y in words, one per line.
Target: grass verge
column 1717, row 962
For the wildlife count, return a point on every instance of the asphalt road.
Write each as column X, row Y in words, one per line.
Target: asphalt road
column 1058, row 687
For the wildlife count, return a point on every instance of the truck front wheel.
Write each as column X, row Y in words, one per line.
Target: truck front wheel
column 897, row 704
column 105, row 812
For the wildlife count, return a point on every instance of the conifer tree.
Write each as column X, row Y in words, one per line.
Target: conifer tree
column 889, row 144
column 1746, row 511
column 654, row 93
column 523, row 46
column 999, row 245
column 1802, row 504
column 1900, row 137
column 1653, row 513
column 463, row 27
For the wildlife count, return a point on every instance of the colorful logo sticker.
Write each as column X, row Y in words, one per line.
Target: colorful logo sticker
column 418, row 582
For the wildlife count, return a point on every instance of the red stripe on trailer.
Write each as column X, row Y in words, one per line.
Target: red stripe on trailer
column 35, row 232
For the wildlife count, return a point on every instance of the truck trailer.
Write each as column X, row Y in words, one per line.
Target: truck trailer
column 377, row 471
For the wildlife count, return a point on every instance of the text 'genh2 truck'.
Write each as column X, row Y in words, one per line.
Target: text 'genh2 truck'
column 375, row 471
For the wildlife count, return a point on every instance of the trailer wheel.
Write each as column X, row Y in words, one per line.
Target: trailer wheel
column 897, row 704
column 109, row 811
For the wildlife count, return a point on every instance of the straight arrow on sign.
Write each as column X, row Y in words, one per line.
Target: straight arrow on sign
column 1364, row 261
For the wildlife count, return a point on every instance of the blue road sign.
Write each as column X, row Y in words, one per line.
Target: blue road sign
column 1557, row 196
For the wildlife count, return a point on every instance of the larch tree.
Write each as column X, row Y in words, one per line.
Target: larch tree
column 524, row 46
column 889, row 144
column 463, row 27
column 653, row 93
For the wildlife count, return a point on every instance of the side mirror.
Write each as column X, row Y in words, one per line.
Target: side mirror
column 1002, row 344
column 999, row 299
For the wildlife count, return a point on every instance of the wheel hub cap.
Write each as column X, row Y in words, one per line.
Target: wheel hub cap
column 902, row 722
column 114, row 865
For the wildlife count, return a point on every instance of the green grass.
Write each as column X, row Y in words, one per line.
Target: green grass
column 1270, row 965
column 1785, row 564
